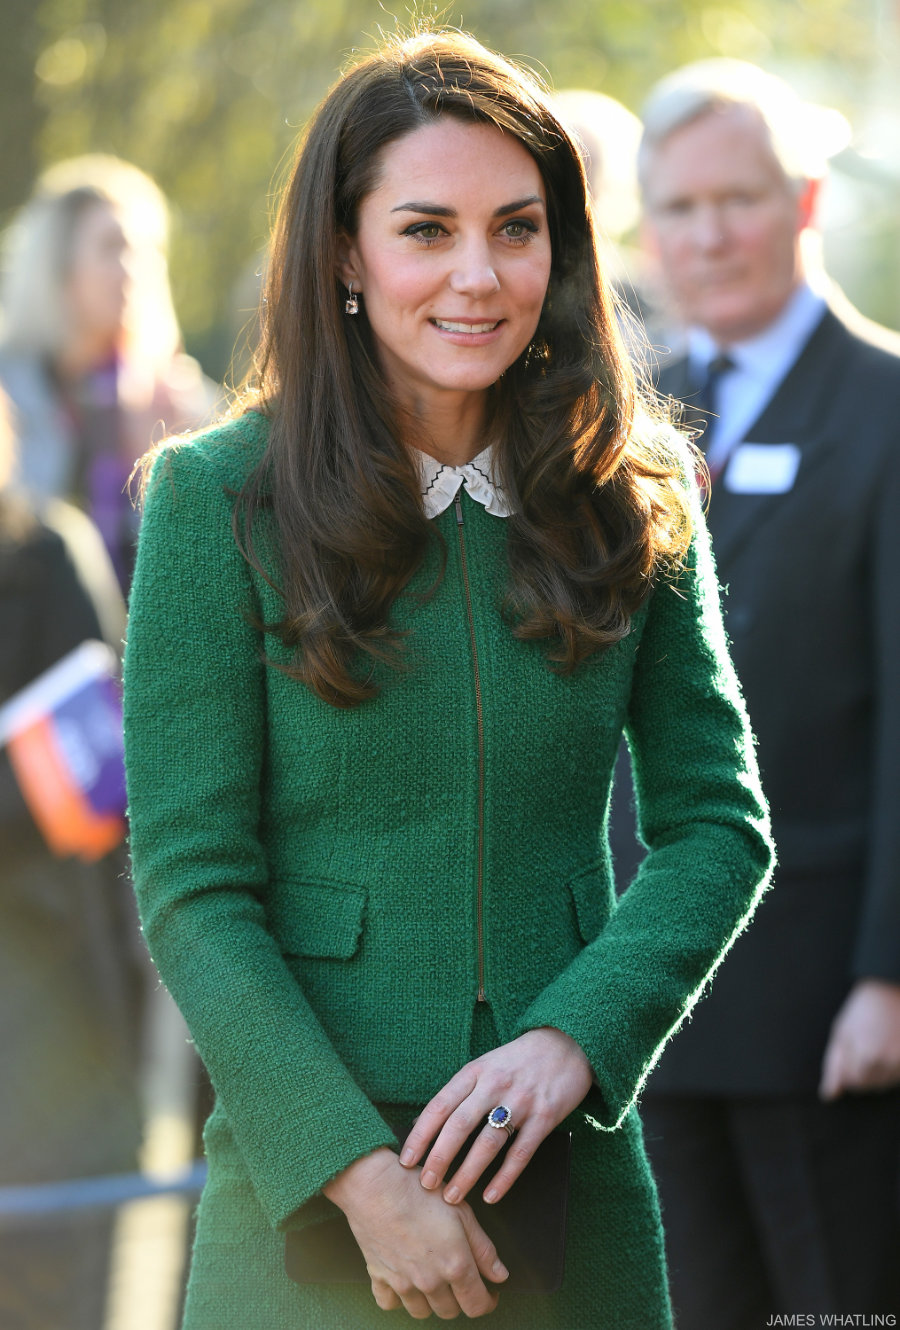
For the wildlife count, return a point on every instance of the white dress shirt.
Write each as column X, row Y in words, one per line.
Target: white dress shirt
column 760, row 365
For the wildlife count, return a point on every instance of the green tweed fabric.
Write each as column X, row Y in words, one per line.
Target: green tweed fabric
column 307, row 877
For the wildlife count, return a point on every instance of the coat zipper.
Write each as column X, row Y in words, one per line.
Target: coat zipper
column 479, row 713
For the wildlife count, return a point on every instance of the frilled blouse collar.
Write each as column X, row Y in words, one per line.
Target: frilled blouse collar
column 441, row 482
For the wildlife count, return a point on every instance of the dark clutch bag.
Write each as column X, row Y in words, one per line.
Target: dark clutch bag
column 528, row 1226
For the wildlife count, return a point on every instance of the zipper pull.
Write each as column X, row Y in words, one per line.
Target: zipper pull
column 457, row 502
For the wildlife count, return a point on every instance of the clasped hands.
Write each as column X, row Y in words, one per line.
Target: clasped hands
column 423, row 1246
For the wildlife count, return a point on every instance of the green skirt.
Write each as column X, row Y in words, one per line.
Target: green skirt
column 615, row 1276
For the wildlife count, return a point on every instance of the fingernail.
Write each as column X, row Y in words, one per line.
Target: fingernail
column 500, row 1270
column 407, row 1156
column 490, row 1195
column 429, row 1179
column 451, row 1195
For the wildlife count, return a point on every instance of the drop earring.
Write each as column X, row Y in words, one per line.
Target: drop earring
column 351, row 304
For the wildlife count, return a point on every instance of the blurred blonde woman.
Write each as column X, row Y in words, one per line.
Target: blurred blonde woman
column 90, row 350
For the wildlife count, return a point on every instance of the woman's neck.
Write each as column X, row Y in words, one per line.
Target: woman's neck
column 82, row 355
column 451, row 432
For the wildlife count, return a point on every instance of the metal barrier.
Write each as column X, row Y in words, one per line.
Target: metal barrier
column 102, row 1192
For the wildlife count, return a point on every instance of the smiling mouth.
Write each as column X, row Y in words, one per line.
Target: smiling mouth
column 446, row 325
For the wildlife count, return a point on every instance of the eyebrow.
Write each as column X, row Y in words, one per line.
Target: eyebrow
column 438, row 209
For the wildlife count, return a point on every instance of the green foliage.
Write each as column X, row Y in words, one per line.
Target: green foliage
column 208, row 95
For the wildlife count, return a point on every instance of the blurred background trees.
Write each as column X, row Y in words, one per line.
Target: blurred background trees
column 209, row 96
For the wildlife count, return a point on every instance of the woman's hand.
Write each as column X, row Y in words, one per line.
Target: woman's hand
column 419, row 1252
column 541, row 1077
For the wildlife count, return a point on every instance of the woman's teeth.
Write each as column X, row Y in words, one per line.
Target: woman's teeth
column 446, row 326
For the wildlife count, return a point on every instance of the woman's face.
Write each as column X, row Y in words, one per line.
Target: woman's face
column 96, row 286
column 451, row 258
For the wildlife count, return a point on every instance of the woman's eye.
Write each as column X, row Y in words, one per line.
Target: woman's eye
column 520, row 230
column 427, row 232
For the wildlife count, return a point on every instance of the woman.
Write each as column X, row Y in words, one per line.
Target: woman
column 90, row 347
column 71, row 966
column 386, row 631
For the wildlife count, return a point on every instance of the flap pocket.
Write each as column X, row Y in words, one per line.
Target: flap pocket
column 592, row 894
column 320, row 919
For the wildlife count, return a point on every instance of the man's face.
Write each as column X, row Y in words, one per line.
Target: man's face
column 725, row 222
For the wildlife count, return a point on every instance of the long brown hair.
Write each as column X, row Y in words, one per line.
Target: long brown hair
column 598, row 509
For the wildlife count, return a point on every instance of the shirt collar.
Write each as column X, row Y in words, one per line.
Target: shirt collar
column 773, row 351
column 441, row 483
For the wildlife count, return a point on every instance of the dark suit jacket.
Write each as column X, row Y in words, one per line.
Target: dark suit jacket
column 812, row 598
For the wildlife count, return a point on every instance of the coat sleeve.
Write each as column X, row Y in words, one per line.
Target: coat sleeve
column 704, row 819
column 195, row 723
column 877, row 950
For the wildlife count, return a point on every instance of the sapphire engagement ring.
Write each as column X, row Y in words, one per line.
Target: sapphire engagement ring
column 500, row 1118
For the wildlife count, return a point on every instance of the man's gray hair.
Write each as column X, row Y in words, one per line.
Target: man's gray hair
column 802, row 136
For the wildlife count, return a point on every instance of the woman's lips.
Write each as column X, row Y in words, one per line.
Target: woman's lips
column 469, row 332
column 466, row 325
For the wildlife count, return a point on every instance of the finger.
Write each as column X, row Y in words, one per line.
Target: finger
column 473, row 1297
column 519, row 1154
column 416, row 1303
column 484, row 1253
column 456, row 1131
column 385, row 1296
column 833, row 1074
column 435, row 1114
column 829, row 1086
column 868, row 1072
column 485, row 1148
column 468, row 1285
column 442, row 1301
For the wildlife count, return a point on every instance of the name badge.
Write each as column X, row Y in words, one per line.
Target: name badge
column 762, row 468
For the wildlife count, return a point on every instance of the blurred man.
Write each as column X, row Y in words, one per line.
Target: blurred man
column 773, row 1120
column 610, row 138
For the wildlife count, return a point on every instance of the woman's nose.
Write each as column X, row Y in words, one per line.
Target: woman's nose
column 474, row 274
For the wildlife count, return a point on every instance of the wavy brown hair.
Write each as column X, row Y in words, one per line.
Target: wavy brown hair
column 599, row 509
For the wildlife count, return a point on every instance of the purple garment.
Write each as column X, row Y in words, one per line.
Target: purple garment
column 102, row 467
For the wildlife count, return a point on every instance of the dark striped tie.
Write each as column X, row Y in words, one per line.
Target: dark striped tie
column 705, row 401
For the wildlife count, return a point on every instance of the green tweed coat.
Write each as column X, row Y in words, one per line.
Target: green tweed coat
column 331, row 895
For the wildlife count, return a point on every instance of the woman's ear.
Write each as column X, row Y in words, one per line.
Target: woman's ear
column 348, row 261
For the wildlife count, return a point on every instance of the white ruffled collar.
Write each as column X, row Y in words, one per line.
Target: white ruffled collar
column 441, row 482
